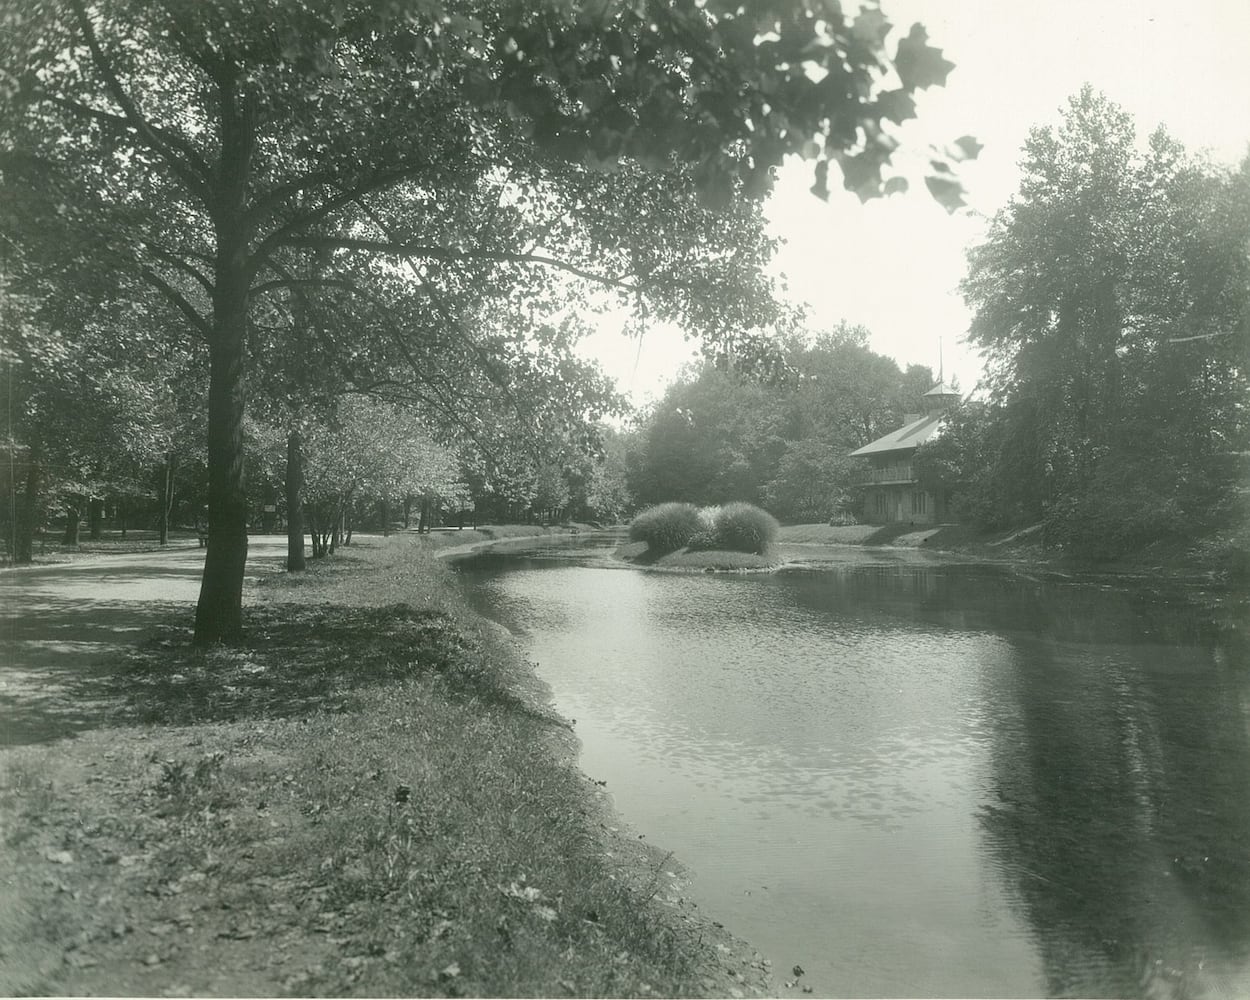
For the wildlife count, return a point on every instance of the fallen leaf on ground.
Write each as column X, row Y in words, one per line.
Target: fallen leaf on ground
column 526, row 893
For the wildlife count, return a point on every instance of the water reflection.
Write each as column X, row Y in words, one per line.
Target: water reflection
column 1122, row 817
column 918, row 780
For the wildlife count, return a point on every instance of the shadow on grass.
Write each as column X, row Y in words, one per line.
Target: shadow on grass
column 74, row 667
column 58, row 657
column 889, row 532
column 297, row 659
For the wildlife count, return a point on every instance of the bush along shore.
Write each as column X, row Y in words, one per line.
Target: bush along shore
column 369, row 796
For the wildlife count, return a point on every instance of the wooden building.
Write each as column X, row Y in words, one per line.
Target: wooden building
column 893, row 492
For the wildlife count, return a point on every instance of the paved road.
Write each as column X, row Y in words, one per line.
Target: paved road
column 59, row 623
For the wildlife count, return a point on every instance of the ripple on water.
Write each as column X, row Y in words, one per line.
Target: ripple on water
column 914, row 781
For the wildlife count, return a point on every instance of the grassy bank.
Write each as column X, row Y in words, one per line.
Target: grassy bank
column 1220, row 557
column 368, row 797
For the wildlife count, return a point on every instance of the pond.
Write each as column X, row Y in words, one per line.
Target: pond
column 916, row 778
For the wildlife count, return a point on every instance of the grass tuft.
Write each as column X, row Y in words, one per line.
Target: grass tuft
column 666, row 527
column 743, row 527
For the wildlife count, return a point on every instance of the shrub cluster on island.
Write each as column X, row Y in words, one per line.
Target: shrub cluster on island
column 681, row 535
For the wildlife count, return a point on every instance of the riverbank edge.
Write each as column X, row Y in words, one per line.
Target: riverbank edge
column 95, row 900
column 1215, row 565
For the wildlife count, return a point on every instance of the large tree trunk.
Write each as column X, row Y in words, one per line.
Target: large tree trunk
column 166, row 497
column 24, row 522
column 314, row 529
column 407, row 511
column 73, row 514
column 95, row 518
column 336, row 526
column 384, row 514
column 219, row 614
column 295, row 503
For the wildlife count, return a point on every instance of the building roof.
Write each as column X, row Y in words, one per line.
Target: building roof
column 908, row 436
column 941, row 390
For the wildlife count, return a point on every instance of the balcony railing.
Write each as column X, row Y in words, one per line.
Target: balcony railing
column 890, row 474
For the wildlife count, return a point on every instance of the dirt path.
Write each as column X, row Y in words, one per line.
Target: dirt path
column 59, row 623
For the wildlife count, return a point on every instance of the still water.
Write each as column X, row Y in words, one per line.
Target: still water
column 916, row 779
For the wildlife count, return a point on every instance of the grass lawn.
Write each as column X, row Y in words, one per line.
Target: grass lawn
column 369, row 796
column 49, row 550
column 827, row 534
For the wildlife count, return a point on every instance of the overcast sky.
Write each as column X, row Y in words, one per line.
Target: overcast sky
column 894, row 265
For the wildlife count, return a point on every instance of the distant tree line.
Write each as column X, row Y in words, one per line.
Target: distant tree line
column 719, row 435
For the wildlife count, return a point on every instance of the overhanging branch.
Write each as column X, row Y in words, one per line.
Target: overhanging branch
column 287, row 231
column 177, row 261
column 294, row 282
column 180, row 302
column 192, row 170
column 425, row 251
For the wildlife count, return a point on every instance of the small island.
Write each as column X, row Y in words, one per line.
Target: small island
column 681, row 536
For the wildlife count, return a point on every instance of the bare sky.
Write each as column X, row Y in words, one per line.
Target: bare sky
column 894, row 265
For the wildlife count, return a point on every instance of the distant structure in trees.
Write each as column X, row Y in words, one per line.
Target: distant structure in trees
column 893, row 492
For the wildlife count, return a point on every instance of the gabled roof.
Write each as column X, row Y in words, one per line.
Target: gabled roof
column 908, row 436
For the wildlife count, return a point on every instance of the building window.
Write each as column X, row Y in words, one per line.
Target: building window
column 920, row 502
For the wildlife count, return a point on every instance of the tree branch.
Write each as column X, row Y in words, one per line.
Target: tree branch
column 485, row 360
column 293, row 282
column 427, row 252
column 180, row 301
column 285, row 233
column 174, row 260
column 192, row 171
column 269, row 201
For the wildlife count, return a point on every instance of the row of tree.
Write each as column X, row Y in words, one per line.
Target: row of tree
column 257, row 209
column 120, row 436
column 783, row 442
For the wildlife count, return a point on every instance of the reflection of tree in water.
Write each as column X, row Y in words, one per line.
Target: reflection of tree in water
column 1122, row 770
column 1120, row 774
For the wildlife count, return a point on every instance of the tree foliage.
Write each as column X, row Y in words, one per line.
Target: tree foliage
column 1112, row 297
column 371, row 452
column 718, row 437
column 223, row 152
column 107, row 414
